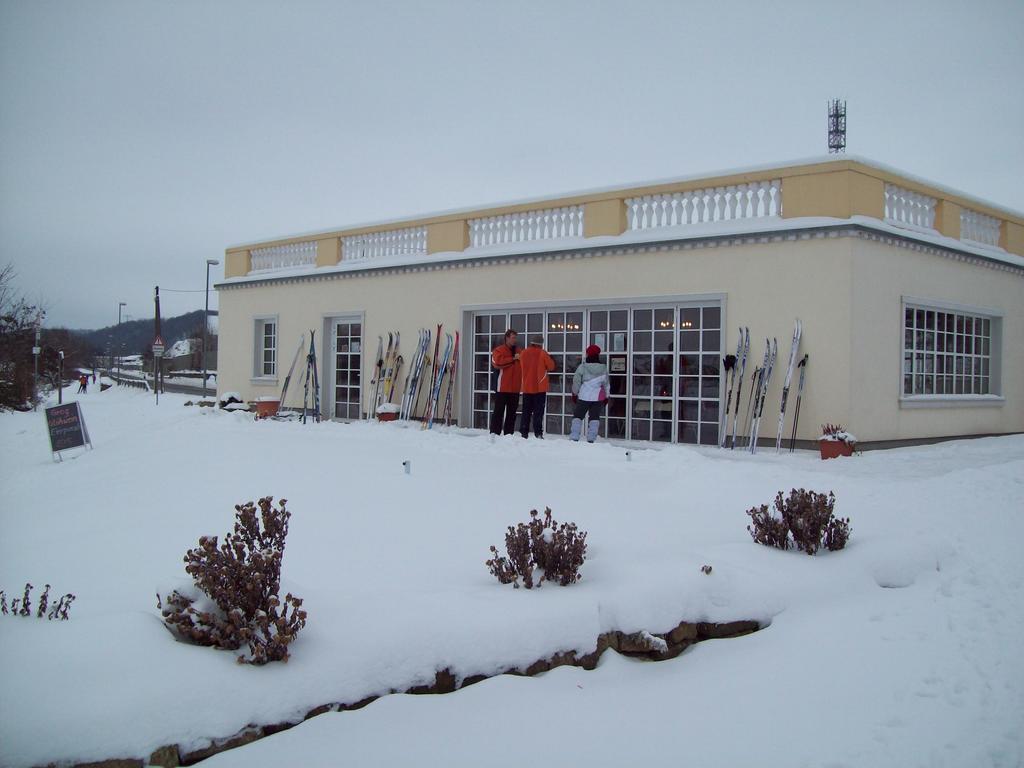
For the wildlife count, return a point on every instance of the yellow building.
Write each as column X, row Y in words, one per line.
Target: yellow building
column 911, row 298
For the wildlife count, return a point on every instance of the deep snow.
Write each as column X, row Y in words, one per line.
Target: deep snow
column 901, row 650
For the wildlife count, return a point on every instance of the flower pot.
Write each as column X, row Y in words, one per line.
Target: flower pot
column 267, row 408
column 833, row 449
column 387, row 416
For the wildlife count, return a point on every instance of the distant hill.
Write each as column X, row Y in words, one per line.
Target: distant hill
column 137, row 335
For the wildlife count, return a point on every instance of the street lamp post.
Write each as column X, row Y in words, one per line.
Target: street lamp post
column 206, row 316
column 120, row 306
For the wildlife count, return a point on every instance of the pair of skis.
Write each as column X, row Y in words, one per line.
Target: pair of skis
column 311, row 390
column 760, row 391
column 441, row 366
column 794, row 349
column 735, row 374
column 385, row 372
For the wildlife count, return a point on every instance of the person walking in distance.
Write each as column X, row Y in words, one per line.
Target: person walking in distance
column 83, row 384
column 590, row 393
column 508, row 383
column 536, row 363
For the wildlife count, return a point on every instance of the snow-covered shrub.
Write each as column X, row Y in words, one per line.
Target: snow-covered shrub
column 836, row 433
column 242, row 578
column 22, row 606
column 767, row 528
column 538, row 551
column 804, row 519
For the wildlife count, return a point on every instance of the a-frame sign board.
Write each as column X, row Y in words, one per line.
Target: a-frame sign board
column 67, row 429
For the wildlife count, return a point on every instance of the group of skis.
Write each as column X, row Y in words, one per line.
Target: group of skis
column 735, row 370
column 310, row 387
column 425, row 374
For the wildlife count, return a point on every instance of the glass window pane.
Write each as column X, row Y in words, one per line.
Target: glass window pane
column 618, row 320
column 687, row 433
column 689, row 365
column 689, row 318
column 664, row 319
column 712, row 317
column 688, row 410
column 598, row 321
column 689, row 341
column 641, row 320
column 641, row 430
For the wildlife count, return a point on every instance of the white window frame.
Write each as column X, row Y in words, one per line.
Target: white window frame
column 258, row 349
column 952, row 400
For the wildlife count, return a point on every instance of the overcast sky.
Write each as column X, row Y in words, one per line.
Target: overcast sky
column 138, row 139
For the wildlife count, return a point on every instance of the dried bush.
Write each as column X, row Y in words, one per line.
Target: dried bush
column 542, row 544
column 23, row 606
column 242, row 578
column 767, row 529
column 804, row 519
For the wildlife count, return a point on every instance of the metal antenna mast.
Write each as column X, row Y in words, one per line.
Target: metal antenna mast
column 836, row 126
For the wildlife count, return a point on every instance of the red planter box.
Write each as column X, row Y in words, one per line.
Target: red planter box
column 833, row 449
column 267, row 408
column 387, row 416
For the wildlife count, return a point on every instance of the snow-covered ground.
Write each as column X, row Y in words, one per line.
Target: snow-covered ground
column 902, row 650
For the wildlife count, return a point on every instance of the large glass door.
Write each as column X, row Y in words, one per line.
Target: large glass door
column 347, row 349
column 663, row 365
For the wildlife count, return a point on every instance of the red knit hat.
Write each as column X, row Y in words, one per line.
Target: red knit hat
column 593, row 350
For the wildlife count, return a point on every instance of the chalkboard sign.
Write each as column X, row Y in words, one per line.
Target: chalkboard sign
column 66, row 427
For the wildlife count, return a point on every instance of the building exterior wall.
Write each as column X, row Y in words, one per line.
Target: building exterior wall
column 881, row 276
column 765, row 285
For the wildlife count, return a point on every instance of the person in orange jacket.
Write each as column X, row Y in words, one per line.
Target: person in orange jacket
column 507, row 385
column 536, row 363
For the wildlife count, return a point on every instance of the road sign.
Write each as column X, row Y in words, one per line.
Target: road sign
column 36, row 350
column 158, row 347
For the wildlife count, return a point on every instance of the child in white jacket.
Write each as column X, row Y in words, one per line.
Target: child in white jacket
column 590, row 393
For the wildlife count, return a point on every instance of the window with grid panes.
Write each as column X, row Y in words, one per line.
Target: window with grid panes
column 348, row 347
column 564, row 342
column 946, row 352
column 266, row 347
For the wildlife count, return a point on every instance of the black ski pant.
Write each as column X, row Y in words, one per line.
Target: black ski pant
column 503, row 418
column 533, row 414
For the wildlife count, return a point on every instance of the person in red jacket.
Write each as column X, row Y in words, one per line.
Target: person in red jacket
column 507, row 386
column 535, row 364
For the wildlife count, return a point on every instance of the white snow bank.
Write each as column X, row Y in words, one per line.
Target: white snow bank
column 910, row 634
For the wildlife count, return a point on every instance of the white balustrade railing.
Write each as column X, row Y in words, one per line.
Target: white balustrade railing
column 758, row 200
column 544, row 224
column 906, row 208
column 411, row 241
column 979, row 228
column 284, row 256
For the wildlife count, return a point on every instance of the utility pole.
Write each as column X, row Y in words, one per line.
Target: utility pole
column 120, row 306
column 206, row 317
column 158, row 345
column 35, row 378
column 60, row 377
